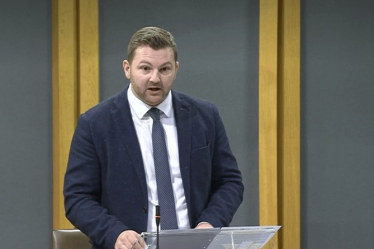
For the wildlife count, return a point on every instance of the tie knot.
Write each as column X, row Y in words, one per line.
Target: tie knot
column 154, row 113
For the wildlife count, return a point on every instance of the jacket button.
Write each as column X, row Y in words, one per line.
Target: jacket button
column 144, row 209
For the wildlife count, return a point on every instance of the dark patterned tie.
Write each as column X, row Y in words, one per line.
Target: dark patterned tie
column 163, row 179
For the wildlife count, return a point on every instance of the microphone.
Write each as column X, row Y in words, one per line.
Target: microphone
column 158, row 217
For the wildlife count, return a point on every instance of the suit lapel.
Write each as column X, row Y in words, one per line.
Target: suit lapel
column 182, row 113
column 122, row 116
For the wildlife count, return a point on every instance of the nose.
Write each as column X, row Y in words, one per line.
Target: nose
column 155, row 77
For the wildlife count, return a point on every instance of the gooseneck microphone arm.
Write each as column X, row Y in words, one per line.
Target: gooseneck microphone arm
column 158, row 217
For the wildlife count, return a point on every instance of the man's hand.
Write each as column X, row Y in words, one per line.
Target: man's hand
column 128, row 239
column 203, row 225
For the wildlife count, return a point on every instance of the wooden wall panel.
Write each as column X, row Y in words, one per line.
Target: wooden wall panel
column 279, row 119
column 64, row 101
column 88, row 53
column 268, row 92
column 75, row 83
column 289, row 122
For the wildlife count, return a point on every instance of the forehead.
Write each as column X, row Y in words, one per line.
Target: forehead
column 149, row 54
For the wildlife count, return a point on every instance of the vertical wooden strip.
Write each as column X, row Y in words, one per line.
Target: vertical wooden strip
column 268, row 69
column 279, row 119
column 289, row 122
column 75, row 83
column 88, row 53
column 64, row 77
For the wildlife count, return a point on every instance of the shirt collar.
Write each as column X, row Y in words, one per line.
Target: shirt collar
column 139, row 108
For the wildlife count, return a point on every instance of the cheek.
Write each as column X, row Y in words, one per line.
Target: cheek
column 169, row 80
column 138, row 82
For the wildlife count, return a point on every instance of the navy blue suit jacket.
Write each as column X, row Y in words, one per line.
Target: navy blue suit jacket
column 105, row 186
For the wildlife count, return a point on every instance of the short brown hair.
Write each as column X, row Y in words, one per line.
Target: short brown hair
column 154, row 37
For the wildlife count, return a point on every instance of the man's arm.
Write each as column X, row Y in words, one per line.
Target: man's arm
column 82, row 190
column 226, row 181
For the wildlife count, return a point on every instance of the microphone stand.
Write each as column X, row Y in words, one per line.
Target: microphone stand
column 158, row 217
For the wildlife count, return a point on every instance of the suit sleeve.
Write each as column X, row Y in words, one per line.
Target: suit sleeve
column 226, row 193
column 82, row 190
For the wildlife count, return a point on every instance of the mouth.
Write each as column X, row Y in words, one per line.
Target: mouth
column 154, row 89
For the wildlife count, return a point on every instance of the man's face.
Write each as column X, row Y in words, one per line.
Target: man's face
column 151, row 73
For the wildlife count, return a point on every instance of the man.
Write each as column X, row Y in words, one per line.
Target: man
column 112, row 176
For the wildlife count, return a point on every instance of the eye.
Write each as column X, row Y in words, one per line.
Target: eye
column 145, row 68
column 165, row 70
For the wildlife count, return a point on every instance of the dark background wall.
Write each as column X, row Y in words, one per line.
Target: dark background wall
column 337, row 124
column 218, row 56
column 25, row 124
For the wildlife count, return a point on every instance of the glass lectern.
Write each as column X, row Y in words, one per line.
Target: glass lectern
column 217, row 238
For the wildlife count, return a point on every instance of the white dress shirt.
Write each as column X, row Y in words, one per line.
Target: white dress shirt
column 143, row 126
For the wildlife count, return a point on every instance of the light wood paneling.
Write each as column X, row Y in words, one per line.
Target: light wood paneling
column 88, row 54
column 64, row 76
column 279, row 119
column 75, row 83
column 268, row 91
column 289, row 122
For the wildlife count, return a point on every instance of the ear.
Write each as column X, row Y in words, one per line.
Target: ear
column 176, row 67
column 126, row 68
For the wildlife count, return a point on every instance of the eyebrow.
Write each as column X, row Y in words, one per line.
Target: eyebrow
column 162, row 65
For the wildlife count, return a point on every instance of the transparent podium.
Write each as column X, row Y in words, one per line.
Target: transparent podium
column 217, row 238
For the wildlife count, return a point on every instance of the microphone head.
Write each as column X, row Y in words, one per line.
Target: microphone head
column 157, row 216
column 158, row 210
